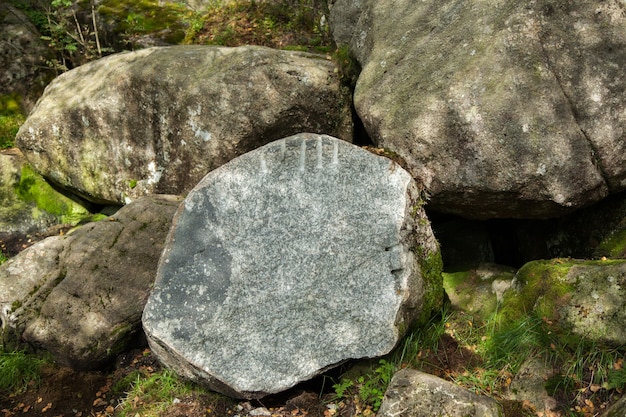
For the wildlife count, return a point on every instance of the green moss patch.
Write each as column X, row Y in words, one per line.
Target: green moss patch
column 431, row 267
column 478, row 291
column 32, row 188
column 615, row 245
column 11, row 118
column 541, row 288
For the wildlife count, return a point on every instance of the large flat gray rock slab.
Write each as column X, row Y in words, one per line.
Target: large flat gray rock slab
column 289, row 260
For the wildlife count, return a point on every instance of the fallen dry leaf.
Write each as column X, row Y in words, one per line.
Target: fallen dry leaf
column 99, row 402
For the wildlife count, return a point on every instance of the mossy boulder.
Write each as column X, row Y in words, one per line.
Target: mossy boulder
column 412, row 393
column 239, row 298
column 580, row 300
column 23, row 55
column 159, row 119
column 80, row 295
column 479, row 291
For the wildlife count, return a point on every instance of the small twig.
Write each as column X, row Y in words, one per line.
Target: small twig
column 78, row 28
column 95, row 29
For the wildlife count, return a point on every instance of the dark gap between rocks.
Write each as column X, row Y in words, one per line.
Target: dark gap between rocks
column 513, row 242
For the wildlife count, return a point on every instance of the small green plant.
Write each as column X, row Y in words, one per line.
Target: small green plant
column 615, row 378
column 18, row 369
column 369, row 388
column 342, row 388
column 419, row 344
column 125, row 384
column 73, row 41
column 372, row 390
column 3, row 258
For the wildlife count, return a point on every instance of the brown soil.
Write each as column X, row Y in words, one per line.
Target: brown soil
column 62, row 392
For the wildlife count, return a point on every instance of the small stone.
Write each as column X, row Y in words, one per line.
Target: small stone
column 260, row 411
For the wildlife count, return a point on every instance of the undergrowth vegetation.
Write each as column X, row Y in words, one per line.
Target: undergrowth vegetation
column 286, row 24
column 77, row 32
column 485, row 357
column 18, row 370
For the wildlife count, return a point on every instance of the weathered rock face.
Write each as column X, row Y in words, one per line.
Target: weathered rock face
column 289, row 260
column 618, row 409
column 582, row 300
column 415, row 394
column 157, row 120
column 80, row 296
column 25, row 280
column 22, row 56
column 529, row 385
column 504, row 109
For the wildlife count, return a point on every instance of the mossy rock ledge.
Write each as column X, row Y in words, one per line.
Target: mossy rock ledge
column 480, row 290
column 583, row 301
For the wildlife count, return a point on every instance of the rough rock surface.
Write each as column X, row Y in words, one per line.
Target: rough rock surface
column 158, row 119
column 80, row 296
column 582, row 299
column 479, row 291
column 22, row 56
column 25, row 280
column 529, row 385
column 616, row 410
column 289, row 260
column 503, row 109
column 415, row 394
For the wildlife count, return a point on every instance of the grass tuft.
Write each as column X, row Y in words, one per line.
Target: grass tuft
column 151, row 394
column 18, row 370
